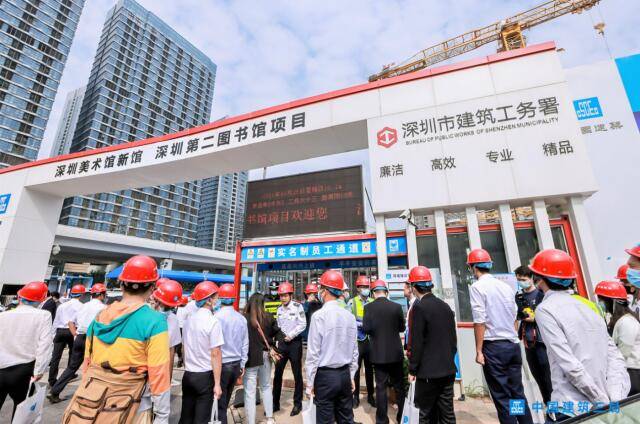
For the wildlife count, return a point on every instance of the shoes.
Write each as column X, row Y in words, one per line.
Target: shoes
column 276, row 408
column 356, row 402
column 296, row 410
column 371, row 401
column 54, row 398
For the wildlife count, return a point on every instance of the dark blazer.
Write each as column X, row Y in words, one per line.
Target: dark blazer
column 52, row 306
column 256, row 344
column 383, row 322
column 432, row 338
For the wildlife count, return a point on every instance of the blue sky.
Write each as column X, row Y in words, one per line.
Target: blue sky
column 270, row 52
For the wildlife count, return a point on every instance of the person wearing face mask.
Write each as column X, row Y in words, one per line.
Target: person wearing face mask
column 311, row 305
column 86, row 313
column 168, row 296
column 633, row 276
column 494, row 312
column 528, row 298
column 202, row 342
column 292, row 322
column 356, row 306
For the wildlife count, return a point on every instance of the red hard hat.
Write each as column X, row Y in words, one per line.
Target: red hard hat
column 227, row 291
column 78, row 289
column 168, row 293
column 35, row 291
column 478, row 256
column 311, row 288
column 184, row 300
column 162, row 280
column 419, row 274
column 285, row 288
column 139, row 269
column 378, row 285
column 362, row 281
column 98, row 288
column 634, row 251
column 332, row 279
column 611, row 289
column 553, row 263
column 203, row 290
column 622, row 272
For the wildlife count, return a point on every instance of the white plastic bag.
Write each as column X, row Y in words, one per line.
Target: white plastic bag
column 214, row 412
column 309, row 413
column 410, row 414
column 29, row 411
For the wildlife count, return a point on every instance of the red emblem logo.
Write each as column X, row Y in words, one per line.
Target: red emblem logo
column 387, row 137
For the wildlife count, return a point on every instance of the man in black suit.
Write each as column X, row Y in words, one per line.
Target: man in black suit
column 432, row 349
column 383, row 322
column 51, row 304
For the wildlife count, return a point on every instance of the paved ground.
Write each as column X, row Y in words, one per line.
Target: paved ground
column 470, row 411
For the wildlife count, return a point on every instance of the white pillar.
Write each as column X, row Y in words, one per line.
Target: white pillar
column 443, row 256
column 381, row 246
column 509, row 236
column 543, row 228
column 412, row 245
column 473, row 229
column 584, row 242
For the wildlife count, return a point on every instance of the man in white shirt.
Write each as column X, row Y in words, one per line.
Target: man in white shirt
column 85, row 315
column 64, row 326
column 25, row 351
column 202, row 342
column 332, row 354
column 235, row 350
column 494, row 312
column 181, row 314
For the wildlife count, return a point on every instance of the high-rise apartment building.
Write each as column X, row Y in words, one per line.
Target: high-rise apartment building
column 35, row 38
column 222, row 207
column 68, row 121
column 146, row 80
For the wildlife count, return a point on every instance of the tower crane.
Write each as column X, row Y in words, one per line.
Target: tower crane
column 507, row 32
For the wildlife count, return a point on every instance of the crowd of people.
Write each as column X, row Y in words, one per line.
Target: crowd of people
column 582, row 355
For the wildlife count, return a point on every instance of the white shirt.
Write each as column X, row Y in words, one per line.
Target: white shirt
column 66, row 313
column 291, row 319
column 86, row 313
column 27, row 335
column 183, row 312
column 626, row 335
column 585, row 363
column 202, row 333
column 332, row 340
column 175, row 338
column 493, row 304
column 236, row 335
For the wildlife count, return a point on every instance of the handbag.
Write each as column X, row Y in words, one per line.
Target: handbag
column 273, row 353
column 410, row 414
column 214, row 413
column 309, row 413
column 29, row 411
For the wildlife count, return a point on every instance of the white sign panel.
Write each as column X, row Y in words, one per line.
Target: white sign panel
column 516, row 145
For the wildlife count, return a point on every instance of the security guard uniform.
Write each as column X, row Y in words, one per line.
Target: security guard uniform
column 356, row 305
column 292, row 321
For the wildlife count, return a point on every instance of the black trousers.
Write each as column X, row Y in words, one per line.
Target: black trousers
column 385, row 374
column 230, row 373
column 364, row 356
column 333, row 396
column 14, row 381
column 434, row 397
column 539, row 366
column 291, row 351
column 62, row 339
column 197, row 397
column 502, row 370
column 75, row 361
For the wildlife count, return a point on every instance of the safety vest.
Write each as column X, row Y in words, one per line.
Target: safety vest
column 593, row 306
column 357, row 307
column 272, row 307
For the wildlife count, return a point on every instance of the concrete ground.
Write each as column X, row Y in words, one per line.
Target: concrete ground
column 470, row 411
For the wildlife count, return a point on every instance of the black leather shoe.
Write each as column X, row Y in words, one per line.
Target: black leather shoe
column 371, row 401
column 295, row 411
column 356, row 402
column 276, row 408
column 54, row 398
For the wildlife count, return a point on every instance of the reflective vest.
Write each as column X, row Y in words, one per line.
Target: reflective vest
column 272, row 307
column 357, row 308
column 593, row 306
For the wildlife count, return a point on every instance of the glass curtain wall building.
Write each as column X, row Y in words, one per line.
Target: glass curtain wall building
column 35, row 38
column 146, row 80
column 68, row 121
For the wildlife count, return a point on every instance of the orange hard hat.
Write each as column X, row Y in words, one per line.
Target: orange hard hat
column 419, row 274
column 634, row 251
column 285, row 288
column 139, row 269
column 477, row 256
column 227, row 291
column 168, row 293
column 98, row 288
column 78, row 289
column 204, row 290
column 311, row 288
column 554, row 263
column 362, row 281
column 379, row 285
column 611, row 290
column 35, row 291
column 622, row 272
column 333, row 280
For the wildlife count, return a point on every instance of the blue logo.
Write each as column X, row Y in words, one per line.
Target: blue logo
column 516, row 406
column 587, row 108
column 4, row 202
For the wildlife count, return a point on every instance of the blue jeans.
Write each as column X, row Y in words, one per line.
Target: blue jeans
column 250, row 383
